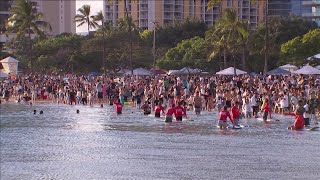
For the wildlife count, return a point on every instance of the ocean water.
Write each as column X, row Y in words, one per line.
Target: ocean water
column 98, row 144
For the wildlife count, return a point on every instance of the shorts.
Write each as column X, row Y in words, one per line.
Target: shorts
column 307, row 121
column 197, row 109
column 222, row 123
column 178, row 118
column 255, row 109
column 146, row 112
column 157, row 115
column 119, row 112
column 100, row 95
column 265, row 116
column 236, row 122
column 168, row 119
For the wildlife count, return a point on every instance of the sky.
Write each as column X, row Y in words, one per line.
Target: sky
column 96, row 6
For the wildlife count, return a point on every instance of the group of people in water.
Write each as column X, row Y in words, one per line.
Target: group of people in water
column 173, row 96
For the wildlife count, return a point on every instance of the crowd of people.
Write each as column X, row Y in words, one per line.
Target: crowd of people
column 242, row 96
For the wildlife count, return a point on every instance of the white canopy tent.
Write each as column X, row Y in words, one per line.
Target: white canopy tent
column 289, row 67
column 10, row 65
column 230, row 71
column 139, row 72
column 317, row 56
column 308, row 70
column 184, row 71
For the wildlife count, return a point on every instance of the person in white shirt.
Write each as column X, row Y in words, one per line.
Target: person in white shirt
column 306, row 115
column 255, row 108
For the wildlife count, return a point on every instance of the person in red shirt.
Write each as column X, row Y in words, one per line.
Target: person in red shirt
column 118, row 106
column 224, row 114
column 179, row 112
column 235, row 113
column 169, row 114
column 299, row 122
column 266, row 109
column 158, row 110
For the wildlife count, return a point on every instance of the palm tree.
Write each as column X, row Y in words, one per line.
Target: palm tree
column 100, row 17
column 85, row 17
column 229, row 33
column 212, row 3
column 26, row 20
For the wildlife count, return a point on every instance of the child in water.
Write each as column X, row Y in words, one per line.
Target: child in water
column 223, row 115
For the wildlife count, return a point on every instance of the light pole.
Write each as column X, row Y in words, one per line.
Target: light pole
column 154, row 46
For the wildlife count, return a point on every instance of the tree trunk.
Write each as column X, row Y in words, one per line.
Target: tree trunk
column 220, row 60
column 130, row 35
column 30, row 49
column 225, row 58
column 244, row 67
column 265, row 70
column 104, row 49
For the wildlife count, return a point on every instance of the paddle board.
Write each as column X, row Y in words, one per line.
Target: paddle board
column 314, row 128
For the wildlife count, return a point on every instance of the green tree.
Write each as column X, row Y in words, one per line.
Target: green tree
column 26, row 20
column 300, row 48
column 231, row 34
column 84, row 17
column 100, row 17
column 189, row 53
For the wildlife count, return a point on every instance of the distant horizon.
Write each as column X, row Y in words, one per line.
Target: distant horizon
column 96, row 6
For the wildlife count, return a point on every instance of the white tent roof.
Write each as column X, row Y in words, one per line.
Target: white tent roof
column 184, row 71
column 230, row 71
column 9, row 60
column 317, row 56
column 307, row 70
column 140, row 72
column 289, row 67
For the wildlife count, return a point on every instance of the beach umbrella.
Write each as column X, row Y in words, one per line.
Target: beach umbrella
column 317, row 56
column 230, row 71
column 308, row 70
column 278, row 71
column 289, row 67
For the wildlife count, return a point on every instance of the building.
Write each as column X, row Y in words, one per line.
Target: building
column 4, row 15
column 284, row 7
column 167, row 12
column 59, row 13
column 311, row 10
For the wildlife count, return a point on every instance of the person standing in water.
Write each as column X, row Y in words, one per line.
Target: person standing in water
column 223, row 115
column 179, row 112
column 235, row 113
column 158, row 110
column 265, row 108
column 118, row 106
column 169, row 114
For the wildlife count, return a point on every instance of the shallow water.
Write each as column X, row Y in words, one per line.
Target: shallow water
column 98, row 144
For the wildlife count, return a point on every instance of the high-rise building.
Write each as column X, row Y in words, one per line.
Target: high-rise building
column 311, row 10
column 4, row 15
column 59, row 14
column 167, row 12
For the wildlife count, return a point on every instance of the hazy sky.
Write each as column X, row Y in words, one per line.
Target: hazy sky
column 96, row 6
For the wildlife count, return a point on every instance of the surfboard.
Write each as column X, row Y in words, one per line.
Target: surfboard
column 268, row 120
column 314, row 128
